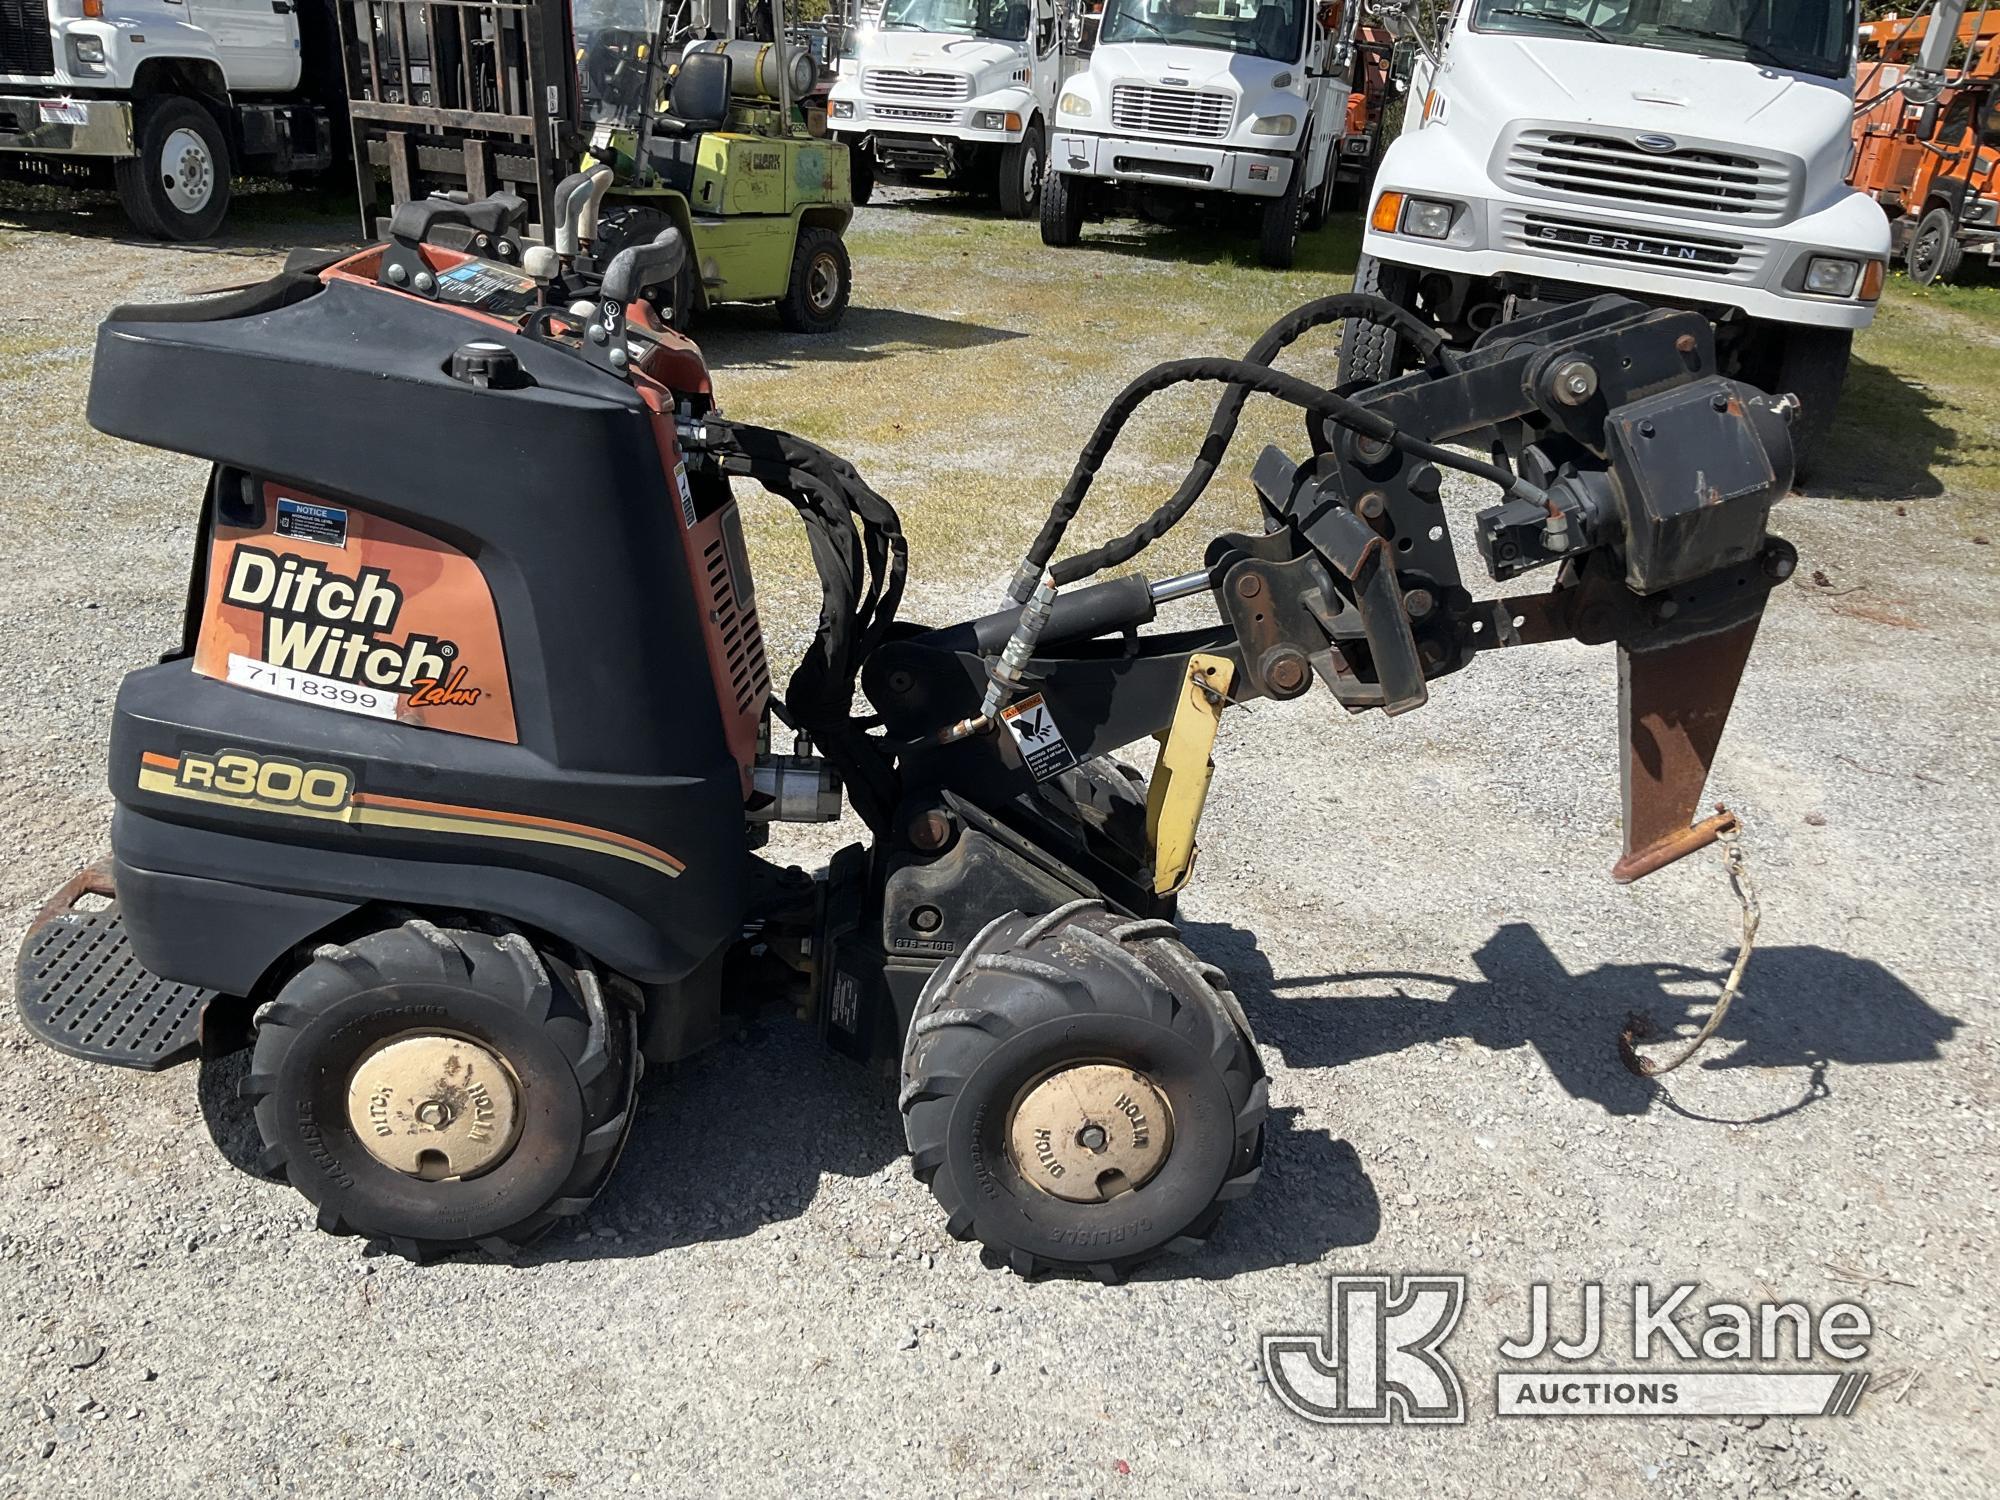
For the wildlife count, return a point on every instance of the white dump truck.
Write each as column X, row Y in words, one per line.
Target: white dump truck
column 953, row 92
column 1237, row 102
column 1684, row 152
column 167, row 100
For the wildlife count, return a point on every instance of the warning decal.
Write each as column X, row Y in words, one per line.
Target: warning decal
column 1042, row 744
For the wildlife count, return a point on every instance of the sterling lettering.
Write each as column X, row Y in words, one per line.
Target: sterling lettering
column 334, row 626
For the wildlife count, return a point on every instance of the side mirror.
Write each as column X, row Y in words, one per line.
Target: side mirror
column 1927, row 122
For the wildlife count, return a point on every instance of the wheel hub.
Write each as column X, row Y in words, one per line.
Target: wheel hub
column 188, row 174
column 1090, row 1132
column 434, row 1106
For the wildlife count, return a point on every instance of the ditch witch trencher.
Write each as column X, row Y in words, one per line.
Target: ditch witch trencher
column 452, row 790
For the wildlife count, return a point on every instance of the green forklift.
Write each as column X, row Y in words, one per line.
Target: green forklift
column 700, row 127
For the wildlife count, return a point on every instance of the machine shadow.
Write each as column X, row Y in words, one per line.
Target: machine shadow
column 1886, row 443
column 1801, row 1008
column 741, row 337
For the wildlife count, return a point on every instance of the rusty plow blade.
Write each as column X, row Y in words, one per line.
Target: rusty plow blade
column 1673, row 701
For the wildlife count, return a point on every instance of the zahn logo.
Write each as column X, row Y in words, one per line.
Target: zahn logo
column 1378, row 1358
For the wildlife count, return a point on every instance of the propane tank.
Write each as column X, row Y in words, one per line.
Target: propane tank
column 753, row 67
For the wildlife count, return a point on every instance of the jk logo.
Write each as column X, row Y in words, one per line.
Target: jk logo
column 1378, row 1358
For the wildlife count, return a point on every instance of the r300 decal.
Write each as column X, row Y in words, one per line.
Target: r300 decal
column 307, row 789
column 278, row 783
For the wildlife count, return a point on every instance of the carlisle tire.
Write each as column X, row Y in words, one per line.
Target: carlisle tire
column 443, row 1089
column 1081, row 1093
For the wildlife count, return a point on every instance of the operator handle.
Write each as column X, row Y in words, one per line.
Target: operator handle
column 494, row 216
column 637, row 267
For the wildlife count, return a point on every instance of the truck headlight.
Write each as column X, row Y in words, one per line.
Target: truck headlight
column 1832, row 275
column 1275, row 125
column 841, row 109
column 999, row 119
column 86, row 54
column 1073, row 104
column 1426, row 218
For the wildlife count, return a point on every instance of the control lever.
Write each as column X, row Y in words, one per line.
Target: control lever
column 573, row 195
column 637, row 267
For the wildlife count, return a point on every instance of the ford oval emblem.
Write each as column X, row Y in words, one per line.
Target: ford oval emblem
column 1655, row 142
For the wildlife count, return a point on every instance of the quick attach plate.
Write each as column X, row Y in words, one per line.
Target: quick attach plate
column 80, row 988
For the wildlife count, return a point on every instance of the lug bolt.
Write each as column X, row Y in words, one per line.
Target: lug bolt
column 1372, row 505
column 1249, row 586
column 1418, row 602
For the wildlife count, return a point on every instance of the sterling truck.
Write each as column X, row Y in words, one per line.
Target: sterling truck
column 1214, row 100
column 1685, row 152
column 958, row 91
column 167, row 100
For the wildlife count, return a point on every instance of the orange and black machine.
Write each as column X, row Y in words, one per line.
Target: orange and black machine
column 448, row 801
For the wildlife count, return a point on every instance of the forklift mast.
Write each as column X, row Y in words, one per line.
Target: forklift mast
column 459, row 96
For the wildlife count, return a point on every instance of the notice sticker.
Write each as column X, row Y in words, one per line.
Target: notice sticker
column 1042, row 744
column 64, row 112
column 305, row 522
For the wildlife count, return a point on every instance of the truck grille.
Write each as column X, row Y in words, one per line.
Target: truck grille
column 1687, row 179
column 25, row 47
column 1137, row 106
column 910, row 112
column 910, row 83
column 1613, row 244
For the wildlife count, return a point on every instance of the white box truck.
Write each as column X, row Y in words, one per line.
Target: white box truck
column 1685, row 152
column 954, row 91
column 167, row 100
column 1237, row 102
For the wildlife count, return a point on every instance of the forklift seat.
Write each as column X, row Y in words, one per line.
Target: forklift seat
column 699, row 97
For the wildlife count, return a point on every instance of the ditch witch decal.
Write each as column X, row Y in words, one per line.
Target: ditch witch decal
column 334, row 607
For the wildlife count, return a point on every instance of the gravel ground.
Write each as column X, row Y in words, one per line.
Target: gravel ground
column 1416, row 915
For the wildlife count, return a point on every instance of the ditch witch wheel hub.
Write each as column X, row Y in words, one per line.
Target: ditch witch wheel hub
column 1090, row 1132
column 434, row 1106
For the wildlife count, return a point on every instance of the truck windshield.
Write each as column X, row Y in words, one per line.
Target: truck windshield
column 1809, row 36
column 1261, row 28
column 1003, row 20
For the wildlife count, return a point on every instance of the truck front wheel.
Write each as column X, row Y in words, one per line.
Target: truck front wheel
column 1021, row 167
column 1062, row 210
column 1279, row 240
column 861, row 171
column 1807, row 362
column 1369, row 351
column 177, row 186
column 1934, row 250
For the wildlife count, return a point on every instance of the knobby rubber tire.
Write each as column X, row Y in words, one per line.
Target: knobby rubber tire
column 1033, row 995
column 570, row 1041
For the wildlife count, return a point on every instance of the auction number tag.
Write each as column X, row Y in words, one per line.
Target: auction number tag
column 305, row 687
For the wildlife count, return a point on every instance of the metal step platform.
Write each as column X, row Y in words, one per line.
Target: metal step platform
column 79, row 987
